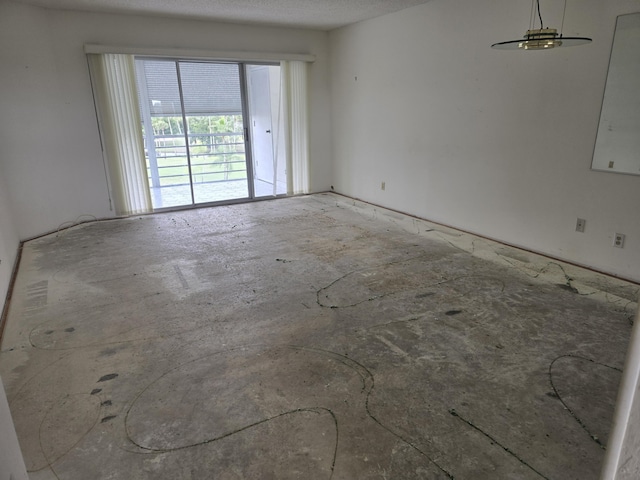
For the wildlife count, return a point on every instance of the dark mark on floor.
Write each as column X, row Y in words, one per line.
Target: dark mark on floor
column 108, row 377
column 106, row 403
column 368, row 385
column 453, row 312
column 425, row 295
column 316, row 410
column 397, row 435
column 566, row 407
column 395, row 322
column 95, row 391
column 567, row 287
column 496, row 442
column 106, row 419
column 183, row 280
column 48, row 332
column 375, row 297
column 70, row 329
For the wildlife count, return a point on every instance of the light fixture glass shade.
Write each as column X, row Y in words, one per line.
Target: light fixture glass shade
column 541, row 39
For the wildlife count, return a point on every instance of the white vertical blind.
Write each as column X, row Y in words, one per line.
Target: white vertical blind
column 117, row 100
column 296, row 108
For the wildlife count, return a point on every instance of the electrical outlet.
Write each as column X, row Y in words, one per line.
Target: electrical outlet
column 580, row 224
column 383, row 186
column 618, row 240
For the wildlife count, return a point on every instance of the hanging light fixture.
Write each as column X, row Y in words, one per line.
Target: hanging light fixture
column 541, row 38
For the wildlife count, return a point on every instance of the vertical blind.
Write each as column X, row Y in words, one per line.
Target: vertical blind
column 296, row 108
column 114, row 85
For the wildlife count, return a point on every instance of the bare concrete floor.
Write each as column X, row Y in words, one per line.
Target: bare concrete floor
column 310, row 337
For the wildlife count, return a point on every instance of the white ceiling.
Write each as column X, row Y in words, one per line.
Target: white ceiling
column 316, row 14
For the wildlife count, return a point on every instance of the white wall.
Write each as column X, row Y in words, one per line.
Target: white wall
column 50, row 144
column 498, row 143
column 11, row 462
column 8, row 241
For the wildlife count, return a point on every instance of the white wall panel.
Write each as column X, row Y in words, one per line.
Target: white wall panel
column 11, row 462
column 498, row 143
column 8, row 242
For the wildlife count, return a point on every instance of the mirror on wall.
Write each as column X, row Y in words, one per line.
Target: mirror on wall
column 618, row 141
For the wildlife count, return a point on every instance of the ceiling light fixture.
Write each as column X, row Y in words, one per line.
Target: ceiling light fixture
column 541, row 38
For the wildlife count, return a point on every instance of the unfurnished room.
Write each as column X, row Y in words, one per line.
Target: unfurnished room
column 347, row 240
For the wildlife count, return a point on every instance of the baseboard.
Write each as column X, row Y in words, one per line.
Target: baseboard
column 7, row 300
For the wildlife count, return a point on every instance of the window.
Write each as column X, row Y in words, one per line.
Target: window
column 183, row 132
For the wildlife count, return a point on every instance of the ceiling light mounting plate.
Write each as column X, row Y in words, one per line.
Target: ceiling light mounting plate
column 541, row 38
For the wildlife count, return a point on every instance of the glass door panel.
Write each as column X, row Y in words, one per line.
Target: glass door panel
column 164, row 135
column 215, row 131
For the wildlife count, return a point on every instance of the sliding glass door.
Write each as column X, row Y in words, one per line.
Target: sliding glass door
column 215, row 127
column 196, row 119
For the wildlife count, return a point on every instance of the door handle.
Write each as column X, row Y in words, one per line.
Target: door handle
column 268, row 131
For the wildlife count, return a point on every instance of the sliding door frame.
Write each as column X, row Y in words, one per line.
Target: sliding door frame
column 185, row 133
column 248, row 146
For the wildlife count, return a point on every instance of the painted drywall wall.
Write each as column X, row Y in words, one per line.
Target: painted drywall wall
column 8, row 241
column 11, row 462
column 50, row 148
column 50, row 142
column 498, row 143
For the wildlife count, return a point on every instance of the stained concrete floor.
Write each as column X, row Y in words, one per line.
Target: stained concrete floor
column 312, row 337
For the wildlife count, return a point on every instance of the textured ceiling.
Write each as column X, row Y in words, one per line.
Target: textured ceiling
column 317, row 14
